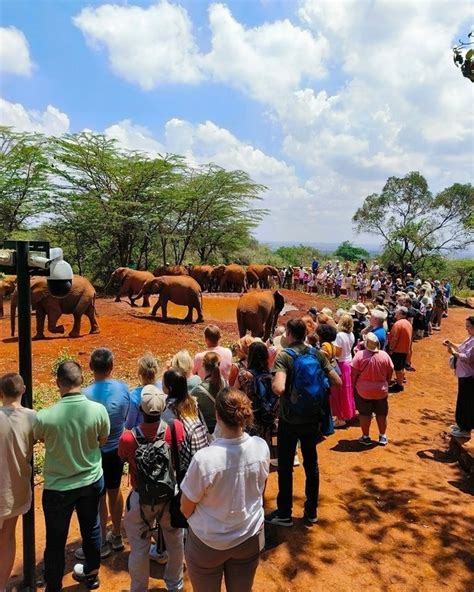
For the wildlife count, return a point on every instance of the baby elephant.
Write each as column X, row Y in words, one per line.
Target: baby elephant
column 182, row 290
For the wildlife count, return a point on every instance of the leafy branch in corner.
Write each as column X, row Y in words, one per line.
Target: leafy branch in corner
column 465, row 62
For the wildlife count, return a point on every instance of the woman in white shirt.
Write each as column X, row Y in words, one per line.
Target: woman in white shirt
column 222, row 497
column 342, row 397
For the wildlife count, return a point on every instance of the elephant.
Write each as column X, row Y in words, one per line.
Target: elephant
column 258, row 312
column 170, row 270
column 80, row 301
column 202, row 274
column 264, row 273
column 230, row 277
column 183, row 290
column 131, row 282
column 7, row 287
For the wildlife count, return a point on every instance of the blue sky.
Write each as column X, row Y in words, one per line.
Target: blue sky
column 320, row 101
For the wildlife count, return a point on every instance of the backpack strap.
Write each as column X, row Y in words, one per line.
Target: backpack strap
column 175, row 452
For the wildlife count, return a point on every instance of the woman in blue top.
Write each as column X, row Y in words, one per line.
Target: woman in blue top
column 148, row 373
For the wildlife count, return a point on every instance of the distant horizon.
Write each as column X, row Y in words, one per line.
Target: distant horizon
column 327, row 247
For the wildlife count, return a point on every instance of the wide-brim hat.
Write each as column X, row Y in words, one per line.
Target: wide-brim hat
column 361, row 308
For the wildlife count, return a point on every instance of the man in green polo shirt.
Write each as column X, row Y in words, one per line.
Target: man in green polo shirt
column 72, row 430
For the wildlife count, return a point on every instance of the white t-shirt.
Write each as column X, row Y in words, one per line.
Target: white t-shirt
column 376, row 285
column 225, row 356
column 16, row 450
column 345, row 341
column 226, row 481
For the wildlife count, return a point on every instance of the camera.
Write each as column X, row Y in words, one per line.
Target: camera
column 60, row 272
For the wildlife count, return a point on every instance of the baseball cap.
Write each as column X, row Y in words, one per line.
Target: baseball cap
column 152, row 401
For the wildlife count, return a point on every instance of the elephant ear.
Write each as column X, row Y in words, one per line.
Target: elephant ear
column 279, row 301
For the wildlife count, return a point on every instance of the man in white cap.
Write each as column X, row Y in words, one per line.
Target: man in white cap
column 139, row 517
column 372, row 369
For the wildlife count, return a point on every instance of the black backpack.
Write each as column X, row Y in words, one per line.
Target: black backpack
column 156, row 478
column 265, row 402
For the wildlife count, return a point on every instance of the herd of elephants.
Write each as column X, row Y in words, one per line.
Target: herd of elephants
column 257, row 311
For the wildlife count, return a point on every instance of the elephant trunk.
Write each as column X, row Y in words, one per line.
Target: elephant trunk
column 13, row 314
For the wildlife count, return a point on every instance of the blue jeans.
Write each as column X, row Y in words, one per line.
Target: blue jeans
column 287, row 440
column 58, row 507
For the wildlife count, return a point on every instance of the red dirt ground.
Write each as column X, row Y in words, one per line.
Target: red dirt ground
column 391, row 519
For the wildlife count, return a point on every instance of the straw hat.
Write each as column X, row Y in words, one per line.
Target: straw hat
column 371, row 342
column 361, row 308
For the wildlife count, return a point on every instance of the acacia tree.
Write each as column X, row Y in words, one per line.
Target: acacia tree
column 347, row 251
column 24, row 181
column 413, row 223
column 106, row 201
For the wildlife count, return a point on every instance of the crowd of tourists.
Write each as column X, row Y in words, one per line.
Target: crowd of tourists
column 200, row 436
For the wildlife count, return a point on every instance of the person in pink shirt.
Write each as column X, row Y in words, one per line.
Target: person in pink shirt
column 372, row 369
column 212, row 336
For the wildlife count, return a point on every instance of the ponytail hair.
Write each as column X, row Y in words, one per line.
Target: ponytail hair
column 211, row 364
column 234, row 408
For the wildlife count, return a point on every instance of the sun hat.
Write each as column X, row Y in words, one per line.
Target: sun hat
column 371, row 342
column 243, row 344
column 361, row 308
column 152, row 400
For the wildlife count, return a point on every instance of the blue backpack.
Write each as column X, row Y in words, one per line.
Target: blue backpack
column 265, row 402
column 310, row 384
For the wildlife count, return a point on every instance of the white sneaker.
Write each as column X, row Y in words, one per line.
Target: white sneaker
column 160, row 557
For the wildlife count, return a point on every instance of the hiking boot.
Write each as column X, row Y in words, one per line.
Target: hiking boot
column 115, row 541
column 91, row 581
column 383, row 440
column 396, row 388
column 365, row 440
column 105, row 551
column 277, row 520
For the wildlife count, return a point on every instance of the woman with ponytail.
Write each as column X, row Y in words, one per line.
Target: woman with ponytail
column 222, row 497
column 206, row 392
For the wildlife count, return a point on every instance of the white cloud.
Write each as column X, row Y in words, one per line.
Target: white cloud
column 266, row 62
column 155, row 45
column 14, row 52
column 146, row 46
column 134, row 137
column 51, row 122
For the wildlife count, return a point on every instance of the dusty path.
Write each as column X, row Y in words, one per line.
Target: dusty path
column 392, row 519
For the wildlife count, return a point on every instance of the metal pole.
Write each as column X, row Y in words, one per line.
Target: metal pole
column 25, row 358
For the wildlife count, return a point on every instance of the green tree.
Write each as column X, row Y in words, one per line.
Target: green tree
column 24, row 184
column 298, row 255
column 348, row 252
column 108, row 202
column 412, row 223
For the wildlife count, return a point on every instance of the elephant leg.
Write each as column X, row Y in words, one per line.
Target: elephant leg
column 189, row 316
column 76, row 329
column 53, row 318
column 90, row 313
column 1, row 307
column 164, row 308
column 268, row 327
column 146, row 301
column 40, row 318
column 158, row 304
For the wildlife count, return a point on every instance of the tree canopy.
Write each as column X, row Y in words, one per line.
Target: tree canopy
column 349, row 252
column 414, row 224
column 109, row 207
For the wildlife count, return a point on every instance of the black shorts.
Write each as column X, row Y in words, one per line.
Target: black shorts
column 366, row 407
column 399, row 361
column 112, row 466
